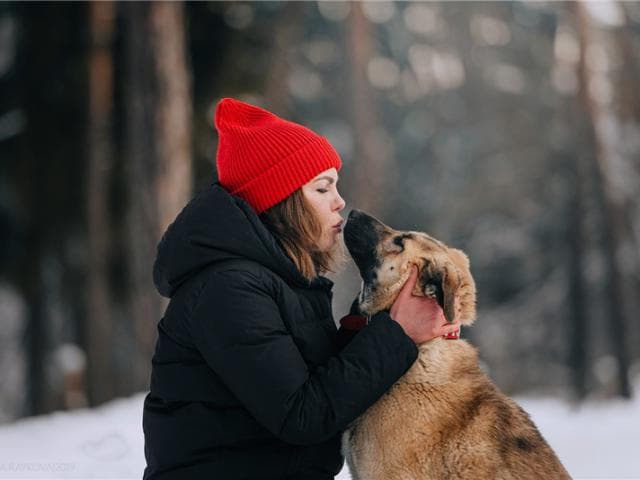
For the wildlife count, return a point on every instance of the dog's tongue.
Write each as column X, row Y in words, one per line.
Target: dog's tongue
column 453, row 335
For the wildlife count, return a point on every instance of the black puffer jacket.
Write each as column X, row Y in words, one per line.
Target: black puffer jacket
column 248, row 381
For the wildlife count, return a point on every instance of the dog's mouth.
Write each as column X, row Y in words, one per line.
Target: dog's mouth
column 361, row 236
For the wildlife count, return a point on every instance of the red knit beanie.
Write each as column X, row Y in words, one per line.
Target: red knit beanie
column 263, row 158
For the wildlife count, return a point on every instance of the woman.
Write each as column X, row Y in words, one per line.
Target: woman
column 249, row 379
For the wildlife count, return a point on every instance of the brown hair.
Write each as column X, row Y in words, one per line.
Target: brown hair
column 296, row 227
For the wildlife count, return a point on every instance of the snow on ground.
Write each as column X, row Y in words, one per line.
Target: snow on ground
column 594, row 441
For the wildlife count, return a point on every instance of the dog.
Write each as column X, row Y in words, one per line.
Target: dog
column 444, row 419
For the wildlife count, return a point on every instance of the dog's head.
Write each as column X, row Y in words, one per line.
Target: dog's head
column 384, row 257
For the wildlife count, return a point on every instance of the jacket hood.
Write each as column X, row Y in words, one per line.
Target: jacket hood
column 216, row 226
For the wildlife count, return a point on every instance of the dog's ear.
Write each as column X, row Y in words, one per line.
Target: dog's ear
column 440, row 280
column 465, row 291
column 450, row 284
column 459, row 258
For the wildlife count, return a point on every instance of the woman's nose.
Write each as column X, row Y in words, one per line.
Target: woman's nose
column 341, row 203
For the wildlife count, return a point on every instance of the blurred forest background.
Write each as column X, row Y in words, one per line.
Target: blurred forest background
column 508, row 129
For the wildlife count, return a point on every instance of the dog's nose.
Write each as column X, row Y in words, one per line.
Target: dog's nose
column 354, row 214
column 361, row 219
column 357, row 229
column 358, row 220
column 361, row 236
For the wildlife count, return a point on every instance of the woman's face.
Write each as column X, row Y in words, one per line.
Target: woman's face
column 322, row 194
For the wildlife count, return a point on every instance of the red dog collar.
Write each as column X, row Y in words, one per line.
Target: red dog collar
column 353, row 322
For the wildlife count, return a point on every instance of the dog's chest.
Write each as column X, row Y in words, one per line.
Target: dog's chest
column 417, row 412
column 405, row 408
column 386, row 435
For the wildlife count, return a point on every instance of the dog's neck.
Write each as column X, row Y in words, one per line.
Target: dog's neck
column 440, row 363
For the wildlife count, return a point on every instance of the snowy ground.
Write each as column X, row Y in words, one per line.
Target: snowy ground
column 596, row 441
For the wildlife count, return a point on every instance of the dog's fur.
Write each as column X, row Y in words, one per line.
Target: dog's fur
column 444, row 419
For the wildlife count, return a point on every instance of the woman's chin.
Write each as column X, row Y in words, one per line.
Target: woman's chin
column 332, row 242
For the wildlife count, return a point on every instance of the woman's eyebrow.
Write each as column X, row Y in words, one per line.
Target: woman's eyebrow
column 329, row 179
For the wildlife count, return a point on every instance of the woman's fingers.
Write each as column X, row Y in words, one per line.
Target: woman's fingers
column 400, row 303
column 407, row 288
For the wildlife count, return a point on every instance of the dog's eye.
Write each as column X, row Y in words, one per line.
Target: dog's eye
column 397, row 244
column 393, row 250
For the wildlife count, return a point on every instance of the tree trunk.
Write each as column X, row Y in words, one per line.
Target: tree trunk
column 98, row 330
column 287, row 32
column 158, row 152
column 371, row 162
column 579, row 332
column 38, row 175
column 611, row 212
column 173, row 182
column 628, row 105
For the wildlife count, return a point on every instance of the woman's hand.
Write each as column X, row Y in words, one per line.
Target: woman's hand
column 421, row 317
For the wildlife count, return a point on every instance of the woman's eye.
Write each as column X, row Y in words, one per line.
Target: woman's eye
column 322, row 190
